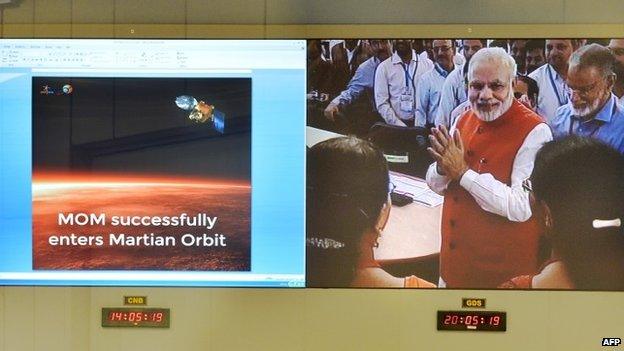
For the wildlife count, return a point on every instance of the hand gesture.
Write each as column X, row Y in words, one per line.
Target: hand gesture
column 448, row 152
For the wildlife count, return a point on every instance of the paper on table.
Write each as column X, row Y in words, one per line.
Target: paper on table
column 314, row 136
column 416, row 189
column 430, row 198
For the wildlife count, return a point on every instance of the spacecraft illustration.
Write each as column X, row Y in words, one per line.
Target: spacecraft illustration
column 201, row 112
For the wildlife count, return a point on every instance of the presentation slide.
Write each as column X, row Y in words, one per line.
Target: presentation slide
column 152, row 162
column 97, row 213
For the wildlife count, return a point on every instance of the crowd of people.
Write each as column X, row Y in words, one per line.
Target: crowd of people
column 354, row 83
column 526, row 136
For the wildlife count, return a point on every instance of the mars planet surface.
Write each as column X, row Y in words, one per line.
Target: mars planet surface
column 74, row 225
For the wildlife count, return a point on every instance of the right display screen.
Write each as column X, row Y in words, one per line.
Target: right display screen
column 465, row 163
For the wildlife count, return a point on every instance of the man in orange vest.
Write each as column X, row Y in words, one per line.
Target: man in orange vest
column 488, row 232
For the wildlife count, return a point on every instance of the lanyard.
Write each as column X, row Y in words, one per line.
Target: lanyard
column 554, row 86
column 441, row 70
column 600, row 123
column 591, row 135
column 408, row 77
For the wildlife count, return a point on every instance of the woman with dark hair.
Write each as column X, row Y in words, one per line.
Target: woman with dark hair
column 578, row 188
column 348, row 205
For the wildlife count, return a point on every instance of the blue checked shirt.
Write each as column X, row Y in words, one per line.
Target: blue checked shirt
column 607, row 125
column 362, row 81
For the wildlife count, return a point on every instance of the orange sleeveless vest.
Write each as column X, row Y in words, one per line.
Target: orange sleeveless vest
column 480, row 249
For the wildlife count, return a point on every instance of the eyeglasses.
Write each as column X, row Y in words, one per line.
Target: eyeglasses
column 583, row 91
column 441, row 48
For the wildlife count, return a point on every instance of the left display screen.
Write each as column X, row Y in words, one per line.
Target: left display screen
column 152, row 162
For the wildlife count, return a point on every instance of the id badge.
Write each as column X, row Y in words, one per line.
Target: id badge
column 407, row 102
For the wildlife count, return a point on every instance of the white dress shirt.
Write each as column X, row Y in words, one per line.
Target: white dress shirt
column 459, row 60
column 428, row 95
column 350, row 54
column 453, row 94
column 333, row 43
column 493, row 195
column 621, row 100
column 390, row 84
column 552, row 93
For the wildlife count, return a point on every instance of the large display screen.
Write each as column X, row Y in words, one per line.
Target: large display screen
column 471, row 201
column 152, row 162
column 428, row 163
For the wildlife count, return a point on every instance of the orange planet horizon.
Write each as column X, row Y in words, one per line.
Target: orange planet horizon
column 149, row 245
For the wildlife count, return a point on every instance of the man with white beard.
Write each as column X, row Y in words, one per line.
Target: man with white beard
column 488, row 231
column 616, row 46
column 593, row 110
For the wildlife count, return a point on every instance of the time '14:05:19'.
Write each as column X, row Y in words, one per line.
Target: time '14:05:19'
column 136, row 316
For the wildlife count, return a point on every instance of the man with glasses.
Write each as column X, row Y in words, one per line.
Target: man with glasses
column 617, row 48
column 592, row 110
column 431, row 83
column 488, row 232
column 454, row 89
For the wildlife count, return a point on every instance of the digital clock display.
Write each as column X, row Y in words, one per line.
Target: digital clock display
column 472, row 320
column 135, row 317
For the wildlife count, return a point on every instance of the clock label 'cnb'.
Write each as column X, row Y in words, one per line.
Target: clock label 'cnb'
column 135, row 300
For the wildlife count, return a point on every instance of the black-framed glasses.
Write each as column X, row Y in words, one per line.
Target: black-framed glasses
column 441, row 48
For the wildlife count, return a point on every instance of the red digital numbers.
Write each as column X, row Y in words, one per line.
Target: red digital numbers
column 495, row 320
column 451, row 319
column 157, row 317
column 135, row 317
column 471, row 320
column 115, row 316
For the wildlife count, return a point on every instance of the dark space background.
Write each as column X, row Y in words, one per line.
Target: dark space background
column 134, row 125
